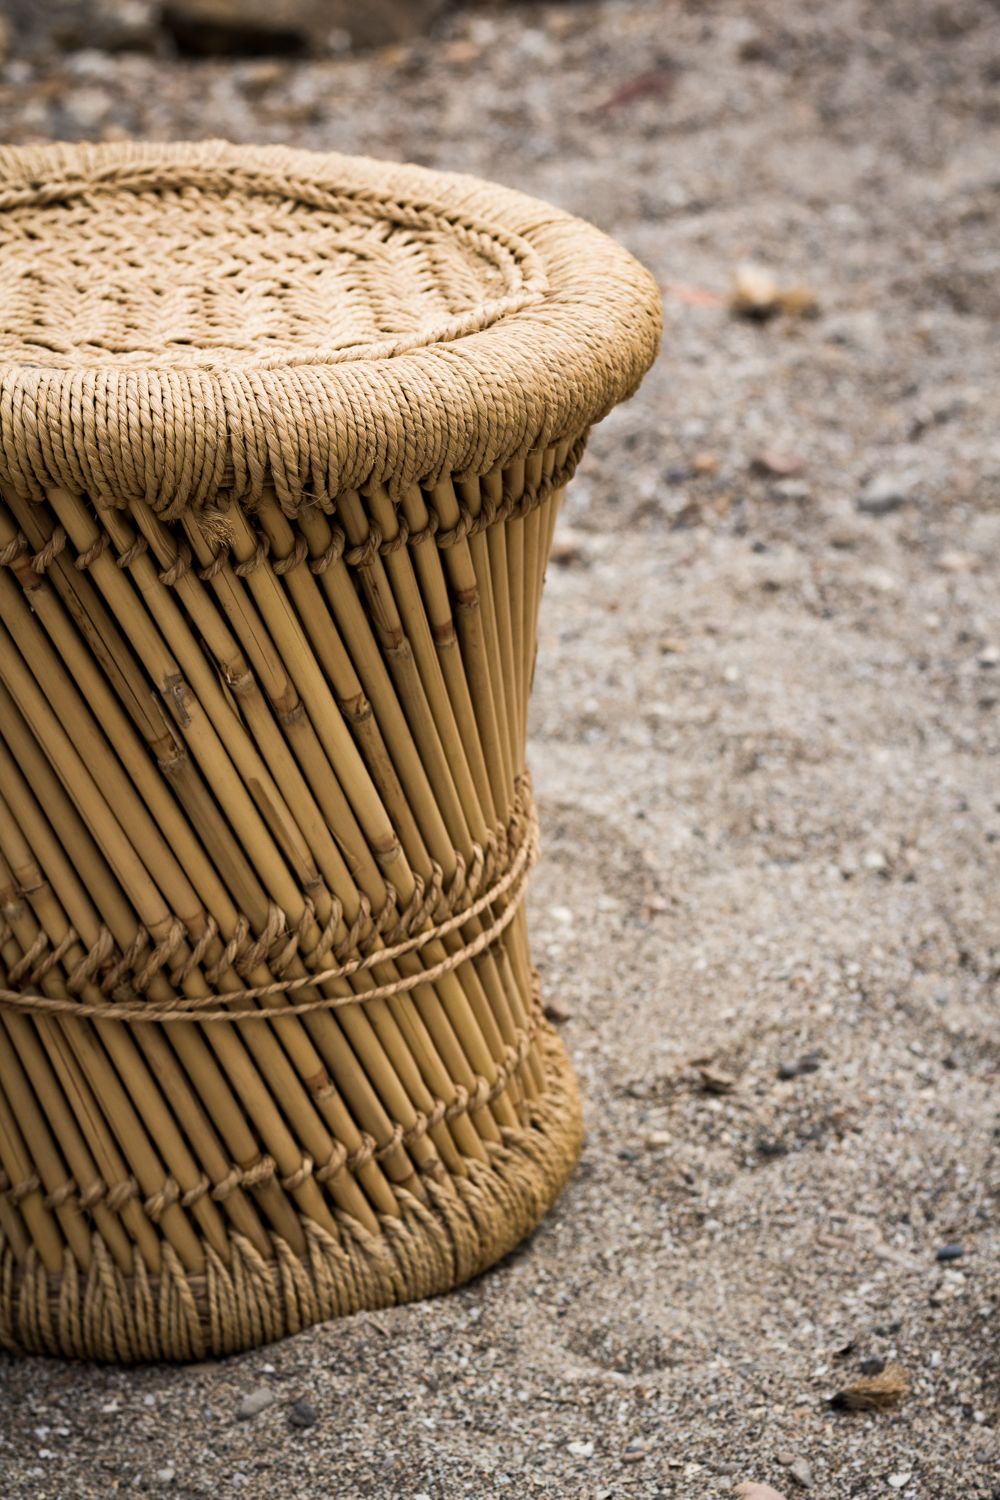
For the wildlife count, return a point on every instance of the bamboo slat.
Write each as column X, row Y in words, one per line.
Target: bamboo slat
column 271, row 562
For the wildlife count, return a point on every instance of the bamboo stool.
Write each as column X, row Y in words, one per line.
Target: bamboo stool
column 282, row 442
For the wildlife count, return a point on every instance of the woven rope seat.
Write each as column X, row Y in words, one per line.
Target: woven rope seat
column 283, row 438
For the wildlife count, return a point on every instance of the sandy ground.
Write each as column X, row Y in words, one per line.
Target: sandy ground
column 765, row 742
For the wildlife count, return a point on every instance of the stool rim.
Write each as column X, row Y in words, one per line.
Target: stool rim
column 577, row 328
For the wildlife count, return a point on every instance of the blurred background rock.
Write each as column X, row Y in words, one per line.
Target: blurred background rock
column 209, row 28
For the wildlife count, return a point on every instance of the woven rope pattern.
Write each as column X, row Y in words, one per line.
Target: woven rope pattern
column 283, row 441
column 511, row 885
column 99, row 395
column 246, row 273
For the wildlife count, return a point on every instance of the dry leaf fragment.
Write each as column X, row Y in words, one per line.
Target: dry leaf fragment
column 799, row 302
column 717, row 1082
column 646, row 86
column 873, row 1392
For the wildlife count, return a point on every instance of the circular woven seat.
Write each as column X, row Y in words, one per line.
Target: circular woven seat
column 283, row 439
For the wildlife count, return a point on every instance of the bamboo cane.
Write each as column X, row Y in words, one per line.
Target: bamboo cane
column 364, row 651
column 160, row 923
column 83, row 854
column 418, row 1045
column 20, row 1169
column 142, row 1085
column 297, row 658
column 254, row 835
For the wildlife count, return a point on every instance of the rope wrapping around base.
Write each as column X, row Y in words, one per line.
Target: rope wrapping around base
column 248, row 1300
column 511, row 886
column 274, row 526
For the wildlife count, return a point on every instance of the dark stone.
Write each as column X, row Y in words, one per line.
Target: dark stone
column 950, row 1252
column 302, row 1414
column 873, row 1366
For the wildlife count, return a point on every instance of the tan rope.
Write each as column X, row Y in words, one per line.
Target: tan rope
column 512, row 884
column 555, row 324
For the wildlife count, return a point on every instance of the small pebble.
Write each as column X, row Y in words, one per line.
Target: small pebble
column 784, row 1458
column 950, row 1252
column 581, row 1450
column 557, row 1012
column 899, row 1481
column 801, row 1473
column 302, row 1414
column 751, row 1491
column 635, row 1452
column 885, row 493
column 773, row 461
column 873, row 1366
column 257, row 1401
column 165, row 1476
column 715, row 1081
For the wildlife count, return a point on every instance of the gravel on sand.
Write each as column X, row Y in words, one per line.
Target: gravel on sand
column 765, row 741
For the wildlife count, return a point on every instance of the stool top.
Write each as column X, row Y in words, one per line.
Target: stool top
column 180, row 320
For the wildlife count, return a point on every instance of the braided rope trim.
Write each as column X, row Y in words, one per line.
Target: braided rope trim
column 511, row 885
column 511, row 508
